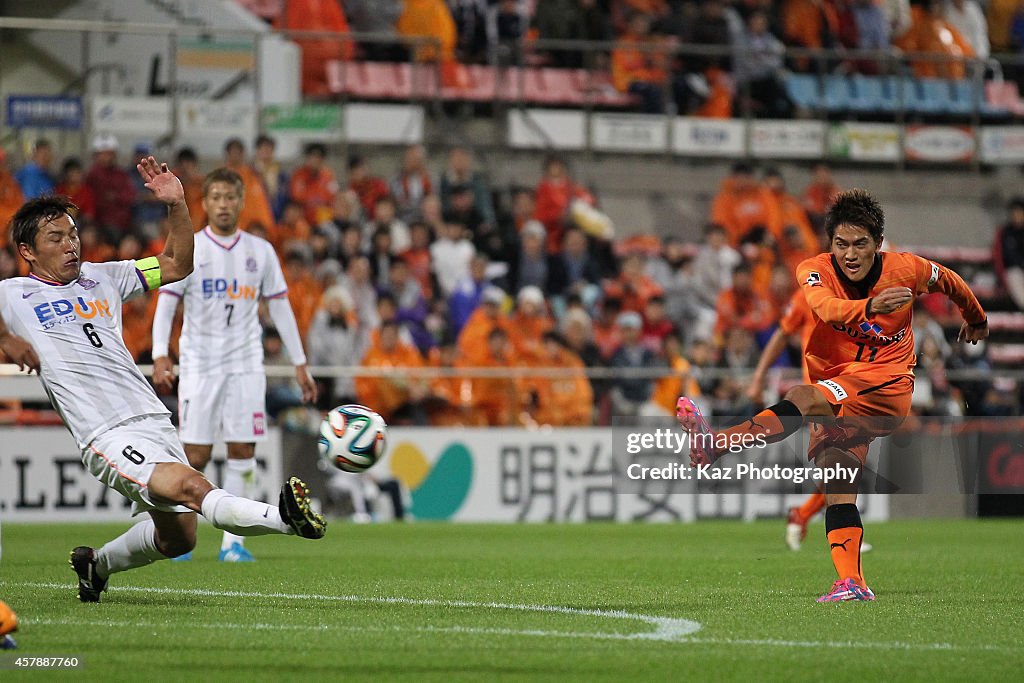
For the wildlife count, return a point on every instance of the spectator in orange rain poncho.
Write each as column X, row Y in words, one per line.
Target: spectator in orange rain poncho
column 11, row 198
column 313, row 185
column 743, row 306
column 743, row 204
column 392, row 395
column 528, row 325
column 795, row 240
column 563, row 401
column 930, row 32
column 317, row 15
column 255, row 206
column 485, row 319
column 497, row 399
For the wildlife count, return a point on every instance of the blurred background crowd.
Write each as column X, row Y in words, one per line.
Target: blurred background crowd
column 428, row 266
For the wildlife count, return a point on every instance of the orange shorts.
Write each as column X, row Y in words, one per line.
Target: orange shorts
column 867, row 405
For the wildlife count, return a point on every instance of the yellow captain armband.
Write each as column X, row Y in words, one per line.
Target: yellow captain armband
column 149, row 272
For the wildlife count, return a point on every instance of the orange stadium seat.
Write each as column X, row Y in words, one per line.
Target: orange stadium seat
column 477, row 83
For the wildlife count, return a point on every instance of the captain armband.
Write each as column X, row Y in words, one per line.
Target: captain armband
column 149, row 271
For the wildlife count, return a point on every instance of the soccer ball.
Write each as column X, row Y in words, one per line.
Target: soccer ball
column 352, row 437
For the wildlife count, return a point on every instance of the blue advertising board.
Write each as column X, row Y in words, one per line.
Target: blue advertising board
column 44, row 111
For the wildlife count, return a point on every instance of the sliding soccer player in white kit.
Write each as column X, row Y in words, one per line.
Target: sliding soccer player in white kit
column 70, row 313
column 222, row 390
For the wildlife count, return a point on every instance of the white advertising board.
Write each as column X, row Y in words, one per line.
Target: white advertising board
column 131, row 116
column 629, row 133
column 42, row 478
column 559, row 475
column 787, row 139
column 392, row 124
column 708, row 137
column 1002, row 144
column 546, row 129
column 864, row 141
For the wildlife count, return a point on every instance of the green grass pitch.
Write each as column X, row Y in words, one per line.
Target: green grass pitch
column 421, row 602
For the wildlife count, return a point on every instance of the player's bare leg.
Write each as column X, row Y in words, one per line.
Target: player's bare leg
column 199, row 457
column 843, row 529
column 198, row 454
column 167, row 533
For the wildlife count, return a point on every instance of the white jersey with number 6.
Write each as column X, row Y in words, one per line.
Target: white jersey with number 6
column 221, row 333
column 91, row 378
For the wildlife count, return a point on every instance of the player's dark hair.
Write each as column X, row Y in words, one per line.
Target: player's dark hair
column 223, row 175
column 856, row 208
column 36, row 212
column 234, row 143
column 264, row 139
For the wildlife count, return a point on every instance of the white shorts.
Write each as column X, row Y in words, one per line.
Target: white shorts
column 234, row 406
column 123, row 458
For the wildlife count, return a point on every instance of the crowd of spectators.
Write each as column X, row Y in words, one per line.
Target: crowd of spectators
column 429, row 266
column 750, row 36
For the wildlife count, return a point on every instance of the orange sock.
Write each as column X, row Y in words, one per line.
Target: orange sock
column 774, row 423
column 845, row 533
column 812, row 506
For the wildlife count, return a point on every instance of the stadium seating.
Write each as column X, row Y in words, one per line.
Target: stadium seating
column 477, row 83
column 837, row 93
column 873, row 94
column 934, row 96
column 1004, row 95
column 803, row 90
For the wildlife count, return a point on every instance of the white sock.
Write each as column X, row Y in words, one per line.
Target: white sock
column 239, row 480
column 242, row 516
column 134, row 548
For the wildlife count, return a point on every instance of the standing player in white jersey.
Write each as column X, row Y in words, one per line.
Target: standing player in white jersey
column 223, row 385
column 70, row 312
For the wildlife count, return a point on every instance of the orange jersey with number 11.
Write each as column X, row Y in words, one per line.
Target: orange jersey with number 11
column 845, row 337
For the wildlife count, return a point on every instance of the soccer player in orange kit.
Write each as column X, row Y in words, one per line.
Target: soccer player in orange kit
column 860, row 359
column 797, row 318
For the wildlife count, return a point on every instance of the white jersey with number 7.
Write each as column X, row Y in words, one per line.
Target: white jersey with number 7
column 221, row 333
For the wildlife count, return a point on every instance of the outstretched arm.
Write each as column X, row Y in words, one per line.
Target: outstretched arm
column 176, row 259
column 936, row 278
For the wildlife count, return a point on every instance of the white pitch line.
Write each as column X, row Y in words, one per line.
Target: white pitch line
column 469, row 630
column 667, row 629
